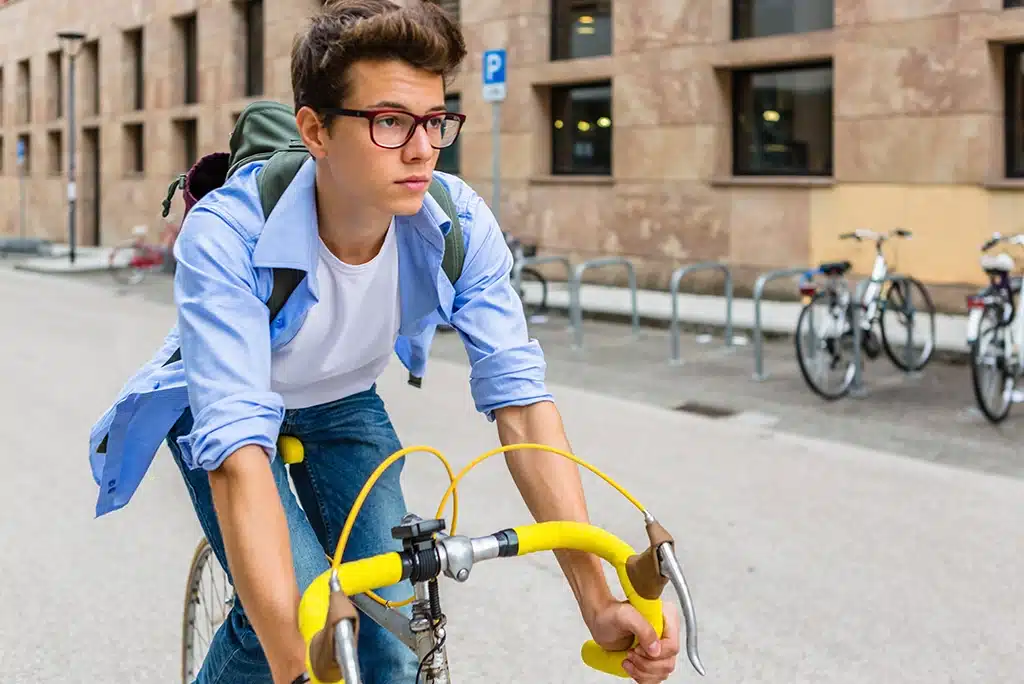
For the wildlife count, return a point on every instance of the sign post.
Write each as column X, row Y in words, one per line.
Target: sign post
column 21, row 185
column 495, row 91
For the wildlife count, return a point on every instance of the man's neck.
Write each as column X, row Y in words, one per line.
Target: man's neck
column 353, row 233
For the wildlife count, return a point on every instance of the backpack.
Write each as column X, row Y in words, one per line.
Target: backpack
column 266, row 130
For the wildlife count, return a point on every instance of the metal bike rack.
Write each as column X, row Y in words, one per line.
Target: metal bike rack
column 759, row 285
column 674, row 282
column 520, row 264
column 575, row 307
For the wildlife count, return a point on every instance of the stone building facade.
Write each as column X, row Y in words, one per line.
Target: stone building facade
column 669, row 131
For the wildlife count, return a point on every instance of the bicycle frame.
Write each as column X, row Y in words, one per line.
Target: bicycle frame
column 999, row 295
column 329, row 624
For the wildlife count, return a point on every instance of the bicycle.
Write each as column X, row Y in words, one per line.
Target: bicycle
column 329, row 622
column 882, row 293
column 130, row 261
column 995, row 332
column 521, row 251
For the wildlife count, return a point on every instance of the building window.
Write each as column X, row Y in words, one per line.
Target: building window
column 24, row 92
column 1014, row 111
column 581, row 133
column 187, row 41
column 756, row 18
column 581, row 28
column 1013, row 3
column 782, row 121
column 25, row 141
column 56, row 79
column 3, row 96
column 448, row 158
column 134, row 149
column 452, row 8
column 254, row 33
column 55, row 153
column 91, row 77
column 2, row 151
column 134, row 43
column 187, row 143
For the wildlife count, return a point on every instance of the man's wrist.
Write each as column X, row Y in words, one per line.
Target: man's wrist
column 586, row 576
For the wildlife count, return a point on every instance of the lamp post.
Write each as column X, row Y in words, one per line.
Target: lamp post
column 71, row 41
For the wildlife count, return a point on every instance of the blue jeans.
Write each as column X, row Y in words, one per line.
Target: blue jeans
column 344, row 441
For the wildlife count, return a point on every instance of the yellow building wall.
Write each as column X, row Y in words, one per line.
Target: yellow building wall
column 949, row 225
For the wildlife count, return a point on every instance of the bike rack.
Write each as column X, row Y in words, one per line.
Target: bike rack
column 520, row 264
column 759, row 285
column 575, row 307
column 674, row 282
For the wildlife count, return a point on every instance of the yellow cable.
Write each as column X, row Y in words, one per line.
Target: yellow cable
column 339, row 551
column 539, row 447
column 452, row 491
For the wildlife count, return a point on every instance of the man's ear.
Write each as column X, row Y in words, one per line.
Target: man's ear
column 312, row 132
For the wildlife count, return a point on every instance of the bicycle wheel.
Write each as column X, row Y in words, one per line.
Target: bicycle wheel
column 911, row 306
column 991, row 377
column 824, row 344
column 120, row 264
column 538, row 304
column 208, row 600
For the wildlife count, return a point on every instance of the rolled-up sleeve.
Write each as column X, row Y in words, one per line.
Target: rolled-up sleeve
column 507, row 366
column 225, row 343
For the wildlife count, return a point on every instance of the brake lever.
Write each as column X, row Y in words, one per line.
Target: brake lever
column 671, row 569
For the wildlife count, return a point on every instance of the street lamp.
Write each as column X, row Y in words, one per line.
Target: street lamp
column 71, row 41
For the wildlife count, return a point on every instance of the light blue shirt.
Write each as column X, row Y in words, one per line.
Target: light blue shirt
column 225, row 255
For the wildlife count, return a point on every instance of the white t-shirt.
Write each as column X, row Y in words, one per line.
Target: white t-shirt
column 348, row 336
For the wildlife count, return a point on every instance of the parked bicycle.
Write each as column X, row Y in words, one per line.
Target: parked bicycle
column 885, row 299
column 533, row 306
column 130, row 261
column 995, row 332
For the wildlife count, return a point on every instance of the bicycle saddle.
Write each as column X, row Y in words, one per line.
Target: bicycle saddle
column 834, row 267
column 998, row 263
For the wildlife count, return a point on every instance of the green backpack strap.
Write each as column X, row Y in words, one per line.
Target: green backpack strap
column 454, row 247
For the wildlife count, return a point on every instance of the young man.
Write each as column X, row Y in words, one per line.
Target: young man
column 369, row 82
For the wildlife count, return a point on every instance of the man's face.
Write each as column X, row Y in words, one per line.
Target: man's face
column 392, row 181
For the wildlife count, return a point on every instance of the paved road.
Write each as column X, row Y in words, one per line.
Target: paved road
column 810, row 560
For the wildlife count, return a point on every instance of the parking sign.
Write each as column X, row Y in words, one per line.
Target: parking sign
column 21, row 152
column 495, row 87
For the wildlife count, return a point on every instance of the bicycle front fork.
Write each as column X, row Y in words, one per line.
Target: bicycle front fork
column 427, row 625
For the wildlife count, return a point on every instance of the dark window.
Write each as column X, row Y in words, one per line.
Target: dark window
column 452, row 8
column 254, row 48
column 26, row 142
column 135, row 45
column 188, row 143
column 25, row 92
column 1015, row 111
column 754, row 18
column 448, row 158
column 581, row 133
column 92, row 75
column 55, row 153
column 135, row 149
column 581, row 28
column 1013, row 3
column 782, row 121
column 56, row 85
column 190, row 53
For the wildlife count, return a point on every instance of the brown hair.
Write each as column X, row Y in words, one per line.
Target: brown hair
column 345, row 31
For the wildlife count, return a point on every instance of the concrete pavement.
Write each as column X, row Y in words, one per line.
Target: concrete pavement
column 810, row 560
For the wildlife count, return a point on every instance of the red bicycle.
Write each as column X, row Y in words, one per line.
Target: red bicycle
column 131, row 261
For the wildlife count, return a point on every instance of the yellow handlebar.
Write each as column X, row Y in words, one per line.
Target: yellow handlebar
column 548, row 536
column 383, row 570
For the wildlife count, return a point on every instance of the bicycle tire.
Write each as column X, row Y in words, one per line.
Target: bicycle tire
column 202, row 555
column 799, row 345
column 993, row 415
column 535, row 309
column 125, row 275
column 898, row 359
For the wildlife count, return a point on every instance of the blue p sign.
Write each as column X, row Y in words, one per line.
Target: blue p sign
column 494, row 75
column 21, row 151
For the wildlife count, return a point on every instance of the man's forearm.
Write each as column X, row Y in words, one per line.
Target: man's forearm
column 551, row 487
column 256, row 542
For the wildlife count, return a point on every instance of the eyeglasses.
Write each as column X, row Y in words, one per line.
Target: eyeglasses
column 393, row 128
